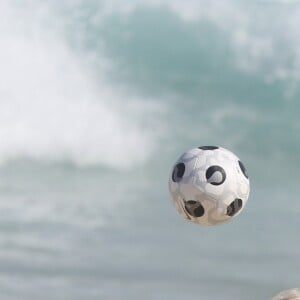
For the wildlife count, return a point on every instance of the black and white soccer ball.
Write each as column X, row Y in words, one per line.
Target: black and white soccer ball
column 209, row 185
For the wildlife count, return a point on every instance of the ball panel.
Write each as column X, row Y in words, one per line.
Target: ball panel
column 178, row 172
column 215, row 191
column 215, row 175
column 194, row 208
column 243, row 169
column 234, row 207
column 208, row 147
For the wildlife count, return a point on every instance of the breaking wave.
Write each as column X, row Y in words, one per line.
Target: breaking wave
column 54, row 107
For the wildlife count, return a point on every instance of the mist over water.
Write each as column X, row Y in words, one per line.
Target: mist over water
column 97, row 101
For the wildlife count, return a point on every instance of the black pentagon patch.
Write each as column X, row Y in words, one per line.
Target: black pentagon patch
column 243, row 169
column 194, row 208
column 215, row 175
column 178, row 172
column 208, row 147
column 234, row 207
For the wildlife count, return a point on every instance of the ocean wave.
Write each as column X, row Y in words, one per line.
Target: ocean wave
column 95, row 83
column 54, row 107
column 262, row 34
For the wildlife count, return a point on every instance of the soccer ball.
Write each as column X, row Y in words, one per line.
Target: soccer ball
column 209, row 185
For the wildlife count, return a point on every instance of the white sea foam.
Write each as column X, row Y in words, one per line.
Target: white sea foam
column 53, row 107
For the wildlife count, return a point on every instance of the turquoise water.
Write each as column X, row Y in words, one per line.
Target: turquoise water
column 97, row 101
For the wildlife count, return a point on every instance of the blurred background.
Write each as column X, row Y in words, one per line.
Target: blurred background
column 97, row 101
